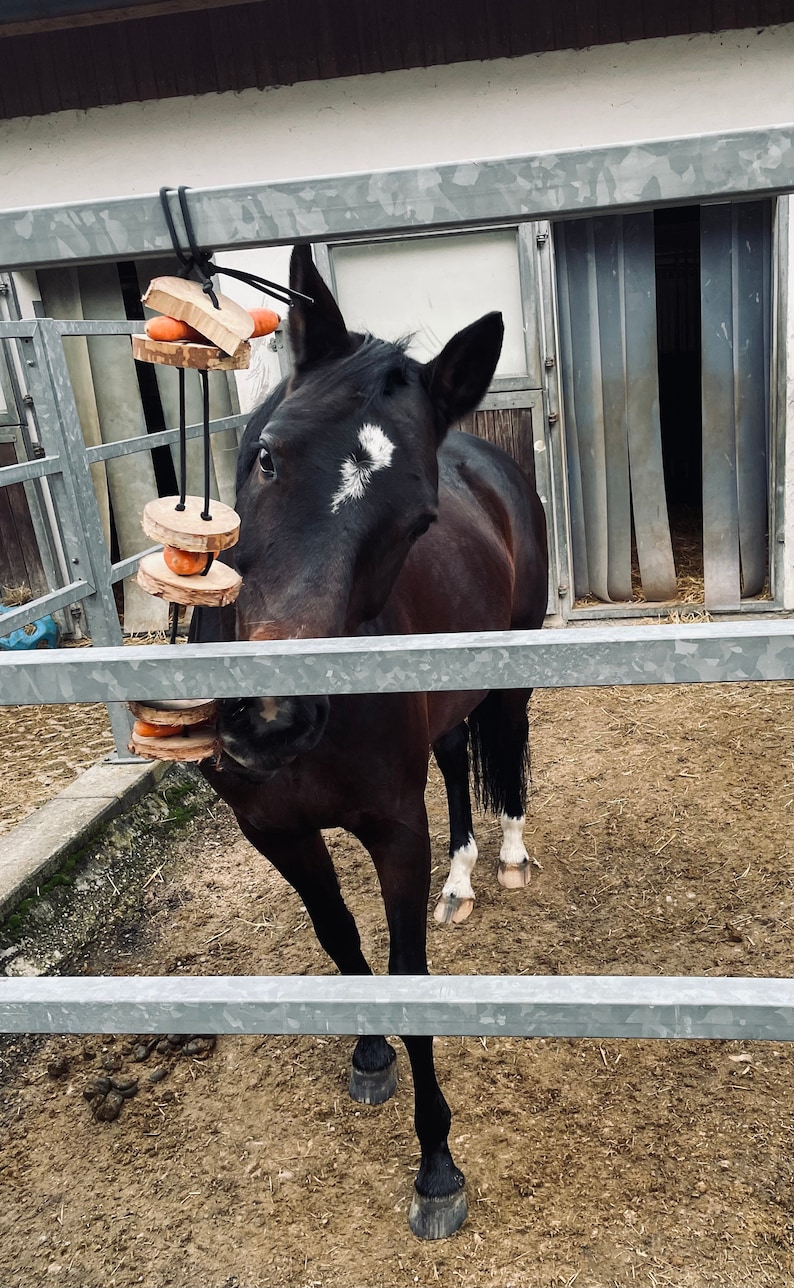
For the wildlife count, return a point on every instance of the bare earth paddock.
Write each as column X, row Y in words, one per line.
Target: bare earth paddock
column 662, row 823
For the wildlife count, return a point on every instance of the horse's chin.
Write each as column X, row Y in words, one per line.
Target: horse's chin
column 246, row 756
column 265, row 746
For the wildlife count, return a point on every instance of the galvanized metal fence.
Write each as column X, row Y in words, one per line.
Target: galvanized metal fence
column 465, row 195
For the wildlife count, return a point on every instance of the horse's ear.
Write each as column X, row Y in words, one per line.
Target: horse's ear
column 317, row 331
column 458, row 379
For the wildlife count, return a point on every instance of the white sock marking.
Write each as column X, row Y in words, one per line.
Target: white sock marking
column 513, row 852
column 376, row 453
column 458, row 883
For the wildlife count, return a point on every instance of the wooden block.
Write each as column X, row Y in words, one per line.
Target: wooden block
column 186, row 529
column 175, row 711
column 180, row 297
column 198, row 743
column 194, row 357
column 220, row 586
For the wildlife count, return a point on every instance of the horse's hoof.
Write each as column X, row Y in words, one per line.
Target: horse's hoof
column 452, row 911
column 373, row 1088
column 437, row 1218
column 514, row 876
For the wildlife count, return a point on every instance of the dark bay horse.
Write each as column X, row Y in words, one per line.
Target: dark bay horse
column 360, row 517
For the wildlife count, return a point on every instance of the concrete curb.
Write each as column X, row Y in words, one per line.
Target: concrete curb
column 39, row 845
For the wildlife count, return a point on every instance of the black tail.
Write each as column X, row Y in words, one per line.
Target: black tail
column 498, row 730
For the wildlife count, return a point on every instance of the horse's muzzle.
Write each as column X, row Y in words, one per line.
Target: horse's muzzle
column 265, row 734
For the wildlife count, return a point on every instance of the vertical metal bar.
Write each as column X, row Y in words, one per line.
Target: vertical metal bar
column 572, row 463
column 780, row 569
column 532, row 311
column 78, row 510
column 588, row 399
column 560, row 570
column 720, row 496
column 649, row 498
column 528, row 273
column 751, row 304
column 608, row 267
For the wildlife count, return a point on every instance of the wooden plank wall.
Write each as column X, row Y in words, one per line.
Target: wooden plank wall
column 281, row 42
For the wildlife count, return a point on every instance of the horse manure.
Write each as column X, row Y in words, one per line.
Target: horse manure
column 126, row 1087
column 57, row 1068
column 140, row 1052
column 158, row 1074
column 112, row 1062
column 199, row 1047
column 110, row 1108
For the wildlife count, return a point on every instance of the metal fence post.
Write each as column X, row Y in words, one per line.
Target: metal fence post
column 76, row 504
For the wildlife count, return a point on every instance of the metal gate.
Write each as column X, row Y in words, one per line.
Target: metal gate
column 467, row 194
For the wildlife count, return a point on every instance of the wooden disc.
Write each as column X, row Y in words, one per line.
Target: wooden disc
column 220, row 586
column 186, row 529
column 199, row 743
column 181, row 711
column 180, row 297
column 190, row 355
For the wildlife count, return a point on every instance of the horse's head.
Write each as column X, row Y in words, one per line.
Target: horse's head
column 337, row 478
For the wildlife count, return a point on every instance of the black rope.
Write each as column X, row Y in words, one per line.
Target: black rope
column 205, row 391
column 182, row 442
column 174, row 611
column 199, row 263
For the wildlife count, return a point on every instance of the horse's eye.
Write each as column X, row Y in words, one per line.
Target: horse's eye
column 266, row 464
column 420, row 527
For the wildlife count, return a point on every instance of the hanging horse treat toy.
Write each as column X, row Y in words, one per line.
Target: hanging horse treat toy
column 198, row 330
column 192, row 530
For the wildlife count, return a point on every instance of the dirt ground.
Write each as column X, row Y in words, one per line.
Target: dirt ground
column 661, row 823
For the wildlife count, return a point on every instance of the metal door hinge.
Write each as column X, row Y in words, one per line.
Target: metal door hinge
column 553, row 417
column 542, row 238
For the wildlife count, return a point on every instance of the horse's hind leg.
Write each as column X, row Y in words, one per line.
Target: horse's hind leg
column 305, row 863
column 456, row 900
column 499, row 731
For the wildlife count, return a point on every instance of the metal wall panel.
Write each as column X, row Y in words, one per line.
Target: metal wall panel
column 734, row 257
column 606, row 288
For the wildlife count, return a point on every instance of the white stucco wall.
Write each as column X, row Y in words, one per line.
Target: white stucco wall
column 576, row 98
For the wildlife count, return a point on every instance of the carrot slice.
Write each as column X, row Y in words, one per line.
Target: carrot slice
column 186, row 563
column 165, row 328
column 146, row 730
column 265, row 321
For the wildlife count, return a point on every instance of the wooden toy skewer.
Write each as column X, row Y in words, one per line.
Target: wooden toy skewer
column 192, row 529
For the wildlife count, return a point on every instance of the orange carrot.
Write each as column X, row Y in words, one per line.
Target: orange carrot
column 146, row 730
column 165, row 328
column 265, row 321
column 186, row 562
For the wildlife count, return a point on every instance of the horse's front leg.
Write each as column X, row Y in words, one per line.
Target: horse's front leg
column 304, row 862
column 401, row 853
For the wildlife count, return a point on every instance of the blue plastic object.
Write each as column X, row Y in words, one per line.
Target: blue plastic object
column 41, row 634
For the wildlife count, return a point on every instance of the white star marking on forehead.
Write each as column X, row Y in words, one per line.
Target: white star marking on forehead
column 376, row 451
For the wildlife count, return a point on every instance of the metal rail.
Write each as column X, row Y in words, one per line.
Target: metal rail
column 467, row 193
column 480, row 1005
column 558, row 657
